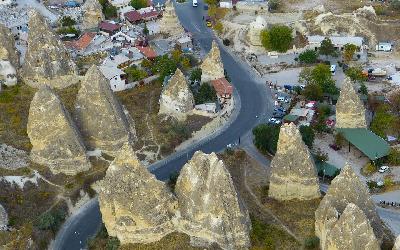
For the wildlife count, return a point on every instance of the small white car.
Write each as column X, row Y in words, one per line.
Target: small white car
column 383, row 169
column 274, row 121
column 333, row 69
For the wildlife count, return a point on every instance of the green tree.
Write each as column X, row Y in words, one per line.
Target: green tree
column 206, row 93
column 68, row 30
column 212, row 10
column 308, row 135
column 349, row 51
column 384, row 122
column 320, row 75
column 135, row 74
column 395, row 4
column 176, row 55
column 185, row 63
column 277, row 38
column 218, row 27
column 146, row 63
column 266, row 137
column 195, row 75
column 313, row 91
column 363, row 89
column 211, row 2
column 164, row 66
column 327, row 47
column 355, row 74
column 110, row 11
column 394, row 157
column 145, row 30
column 308, row 56
column 67, row 21
column 138, row 4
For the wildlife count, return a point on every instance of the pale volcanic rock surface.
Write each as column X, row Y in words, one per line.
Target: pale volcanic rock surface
column 56, row 142
column 135, row 206
column 3, row 219
column 344, row 189
column 210, row 209
column 47, row 61
column 352, row 231
column 99, row 115
column 169, row 23
column 293, row 172
column 176, row 98
column 8, row 51
column 212, row 67
column 255, row 28
column 350, row 111
column 92, row 14
column 397, row 243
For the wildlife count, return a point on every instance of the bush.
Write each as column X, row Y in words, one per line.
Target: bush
column 67, row 21
column 307, row 133
column 394, row 157
column 277, row 38
column 321, row 156
column 134, row 74
column 195, row 75
column 380, row 10
column 369, row 169
column 138, row 4
column 226, row 42
column 311, row 242
column 339, row 139
column 372, row 184
column 266, row 137
column 388, row 181
column 113, row 244
column 218, row 27
column 308, row 56
column 68, row 30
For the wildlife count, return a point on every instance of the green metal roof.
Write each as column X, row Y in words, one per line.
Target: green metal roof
column 366, row 141
column 290, row 118
column 330, row 170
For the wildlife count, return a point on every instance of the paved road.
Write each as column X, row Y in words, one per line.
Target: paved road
column 254, row 103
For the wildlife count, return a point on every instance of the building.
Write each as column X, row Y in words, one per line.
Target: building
column 338, row 41
column 124, row 37
column 82, row 43
column 109, row 28
column 120, row 4
column 119, row 61
column 133, row 54
column 133, row 17
column 223, row 88
column 116, row 77
column 384, row 46
column 185, row 43
column 7, row 2
column 147, row 52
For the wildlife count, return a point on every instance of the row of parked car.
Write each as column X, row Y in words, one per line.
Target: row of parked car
column 279, row 112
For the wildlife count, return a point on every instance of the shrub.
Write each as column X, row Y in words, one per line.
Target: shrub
column 195, row 75
column 307, row 133
column 372, row 184
column 113, row 243
column 311, row 242
column 369, row 168
column 339, row 139
column 308, row 56
column 321, row 156
column 218, row 27
column 388, row 181
column 394, row 157
column 67, row 21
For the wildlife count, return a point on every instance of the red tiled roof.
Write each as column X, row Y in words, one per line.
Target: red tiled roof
column 150, row 14
column 148, row 52
column 109, row 26
column 133, row 16
column 84, row 41
column 222, row 86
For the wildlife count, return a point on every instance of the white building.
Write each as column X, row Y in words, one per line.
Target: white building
column 338, row 41
column 384, row 46
column 115, row 76
column 120, row 4
column 133, row 54
column 8, row 74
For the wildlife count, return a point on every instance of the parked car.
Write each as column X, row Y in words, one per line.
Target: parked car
column 334, row 147
column 280, row 109
column 283, row 99
column 278, row 114
column 288, row 87
column 274, row 121
column 383, row 169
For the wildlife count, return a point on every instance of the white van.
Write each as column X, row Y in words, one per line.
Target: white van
column 333, row 69
column 194, row 3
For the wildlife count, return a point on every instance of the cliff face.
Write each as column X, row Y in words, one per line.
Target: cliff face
column 3, row 219
column 92, row 14
column 135, row 206
column 99, row 115
column 350, row 111
column 293, row 172
column 56, row 142
column 176, row 99
column 210, row 210
column 351, row 231
column 345, row 188
column 212, row 67
column 255, row 28
column 47, row 61
column 169, row 23
column 397, row 243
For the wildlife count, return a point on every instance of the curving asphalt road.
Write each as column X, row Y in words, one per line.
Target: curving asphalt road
column 251, row 94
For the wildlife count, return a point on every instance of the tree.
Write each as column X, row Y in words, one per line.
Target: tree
column 212, row 10
column 327, row 47
column 273, row 4
column 185, row 63
column 67, row 21
column 266, row 137
column 195, row 75
column 384, row 122
column 135, row 74
column 206, row 93
column 355, row 74
column 363, row 89
column 278, row 38
column 313, row 91
column 164, row 66
column 308, row 56
column 320, row 75
column 176, row 55
column 307, row 133
column 395, row 101
column 145, row 30
column 218, row 27
column 349, row 51
column 110, row 11
column 138, row 4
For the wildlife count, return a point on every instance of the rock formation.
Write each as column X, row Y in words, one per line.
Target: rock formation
column 169, row 23
column 255, row 28
column 56, row 142
column 350, row 111
column 397, row 243
column 135, row 206
column 92, row 14
column 212, row 67
column 9, row 60
column 210, row 209
column 293, row 172
column 351, row 231
column 47, row 61
column 176, row 99
column 345, row 188
column 3, row 219
column 100, row 117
